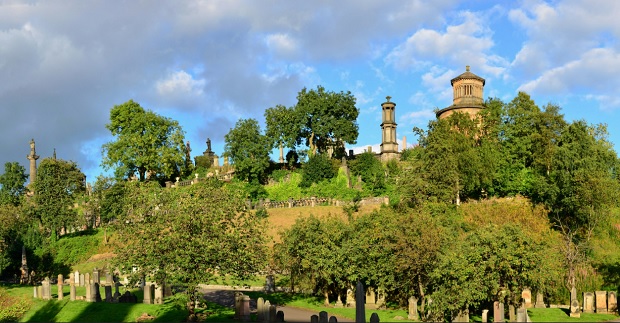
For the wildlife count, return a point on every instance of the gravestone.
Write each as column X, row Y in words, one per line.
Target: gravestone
column 260, row 303
column 89, row 293
column 159, row 295
column 522, row 315
column 266, row 306
column 280, row 317
column 526, row 295
column 245, row 315
column 47, row 289
column 512, row 316
column 272, row 313
column 36, row 292
column 463, row 316
column 108, row 278
column 370, row 296
column 498, row 312
column 314, row 319
column 574, row 303
column 76, row 276
column 485, row 316
column 87, row 279
column 350, row 301
column 117, row 295
column 40, row 291
column 413, row 308
column 237, row 305
column 60, row 292
column 72, row 292
column 374, row 318
column 612, row 302
column 380, row 298
column 96, row 276
column 270, row 284
column 333, row 319
column 588, row 302
column 82, row 280
column 323, row 317
column 148, row 293
column 108, row 293
column 601, row 301
column 540, row 301
column 360, row 311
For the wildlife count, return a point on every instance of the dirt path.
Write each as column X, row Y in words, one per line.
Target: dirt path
column 291, row 314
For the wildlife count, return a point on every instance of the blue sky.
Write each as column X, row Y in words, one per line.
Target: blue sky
column 206, row 64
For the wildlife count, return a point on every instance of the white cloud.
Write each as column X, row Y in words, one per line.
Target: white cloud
column 180, row 84
column 282, row 44
column 420, row 117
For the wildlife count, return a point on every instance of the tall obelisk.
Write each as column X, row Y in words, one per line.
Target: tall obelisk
column 33, row 162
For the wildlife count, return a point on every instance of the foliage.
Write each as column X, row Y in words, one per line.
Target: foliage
column 318, row 168
column 371, row 171
column 336, row 187
column 144, row 142
column 12, row 308
column 249, row 150
column 11, row 225
column 12, row 183
column 58, row 184
column 286, row 188
column 111, row 198
column 189, row 235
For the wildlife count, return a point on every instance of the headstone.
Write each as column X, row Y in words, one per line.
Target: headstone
column 574, row 303
column 333, row 319
column 47, row 289
column 498, row 312
column 360, row 311
column 280, row 317
column 87, row 278
column 260, row 303
column 96, row 276
column 60, row 292
column 72, row 292
column 89, row 293
column 167, row 290
column 108, row 293
column 108, row 278
column 148, row 293
column 540, row 301
column 245, row 316
column 40, row 291
column 82, row 280
column 314, row 319
column 370, row 296
column 380, row 297
column 117, row 295
column 588, row 302
column 463, row 316
column 485, row 316
column 159, row 295
column 612, row 303
column 272, row 313
column 36, row 292
column 522, row 315
column 76, row 276
column 413, row 308
column 266, row 306
column 238, row 296
column 350, row 301
column 323, row 317
column 601, row 301
column 374, row 318
column 512, row 316
column 526, row 295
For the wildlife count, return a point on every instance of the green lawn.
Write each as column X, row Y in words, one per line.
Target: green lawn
column 561, row 315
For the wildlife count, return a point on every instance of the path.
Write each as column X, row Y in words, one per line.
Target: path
column 291, row 314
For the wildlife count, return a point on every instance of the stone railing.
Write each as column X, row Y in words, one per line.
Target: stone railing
column 312, row 202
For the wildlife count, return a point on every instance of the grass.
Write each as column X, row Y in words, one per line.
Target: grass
column 562, row 315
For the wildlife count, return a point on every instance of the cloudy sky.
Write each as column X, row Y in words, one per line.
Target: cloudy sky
column 206, row 64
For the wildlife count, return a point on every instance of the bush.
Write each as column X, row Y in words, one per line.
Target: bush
column 12, row 308
column 283, row 190
column 318, row 168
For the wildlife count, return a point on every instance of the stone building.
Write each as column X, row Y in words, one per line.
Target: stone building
column 468, row 93
column 389, row 144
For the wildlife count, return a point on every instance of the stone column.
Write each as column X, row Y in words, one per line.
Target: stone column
column 72, row 287
column 60, row 292
column 32, row 157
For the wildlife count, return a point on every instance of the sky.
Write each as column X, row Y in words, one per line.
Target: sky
column 207, row 64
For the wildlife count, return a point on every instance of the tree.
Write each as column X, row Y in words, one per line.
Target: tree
column 189, row 235
column 12, row 182
column 58, row 184
column 371, row 170
column 145, row 142
column 321, row 120
column 318, row 168
column 248, row 150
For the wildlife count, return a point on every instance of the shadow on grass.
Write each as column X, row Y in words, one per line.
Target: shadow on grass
column 281, row 298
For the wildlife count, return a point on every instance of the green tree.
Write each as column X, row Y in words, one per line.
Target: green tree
column 318, row 168
column 58, row 184
column 248, row 150
column 371, row 170
column 282, row 126
column 12, row 183
column 189, row 235
column 145, row 142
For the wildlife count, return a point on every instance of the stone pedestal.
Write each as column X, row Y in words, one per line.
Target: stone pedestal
column 485, row 316
column 540, row 301
column 149, row 292
column 413, row 309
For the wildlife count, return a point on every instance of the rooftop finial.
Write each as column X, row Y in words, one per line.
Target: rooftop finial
column 388, row 98
column 467, row 68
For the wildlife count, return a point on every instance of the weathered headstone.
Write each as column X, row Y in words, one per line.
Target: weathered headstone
column 413, row 308
column 270, row 284
column 612, row 302
column 245, row 316
column 260, row 303
column 498, row 312
column 323, row 317
column 40, row 291
column 463, row 316
column 89, row 293
column 522, row 315
column 526, row 295
column 76, row 276
column 96, row 276
column 333, row 319
column 238, row 297
column 87, row 278
column 314, row 319
column 36, row 292
column 540, row 300
column 485, row 316
column 47, row 289
column 339, row 303
column 360, row 311
column 272, row 313
column 97, row 292
column 350, row 301
column 148, row 293
column 380, row 297
column 108, row 293
column 60, row 292
column 108, row 278
column 574, row 303
column 159, row 295
column 512, row 316
column 280, row 317
column 601, row 301
column 265, row 311
column 370, row 296
column 588, row 302
column 374, row 318
column 82, row 280
column 72, row 292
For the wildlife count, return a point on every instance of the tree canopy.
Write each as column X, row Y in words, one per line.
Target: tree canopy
column 248, row 149
column 12, row 183
column 145, row 142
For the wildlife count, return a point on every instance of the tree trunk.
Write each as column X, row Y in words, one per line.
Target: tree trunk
column 326, row 294
column 422, row 298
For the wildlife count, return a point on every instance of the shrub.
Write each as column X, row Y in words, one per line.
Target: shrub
column 318, row 168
